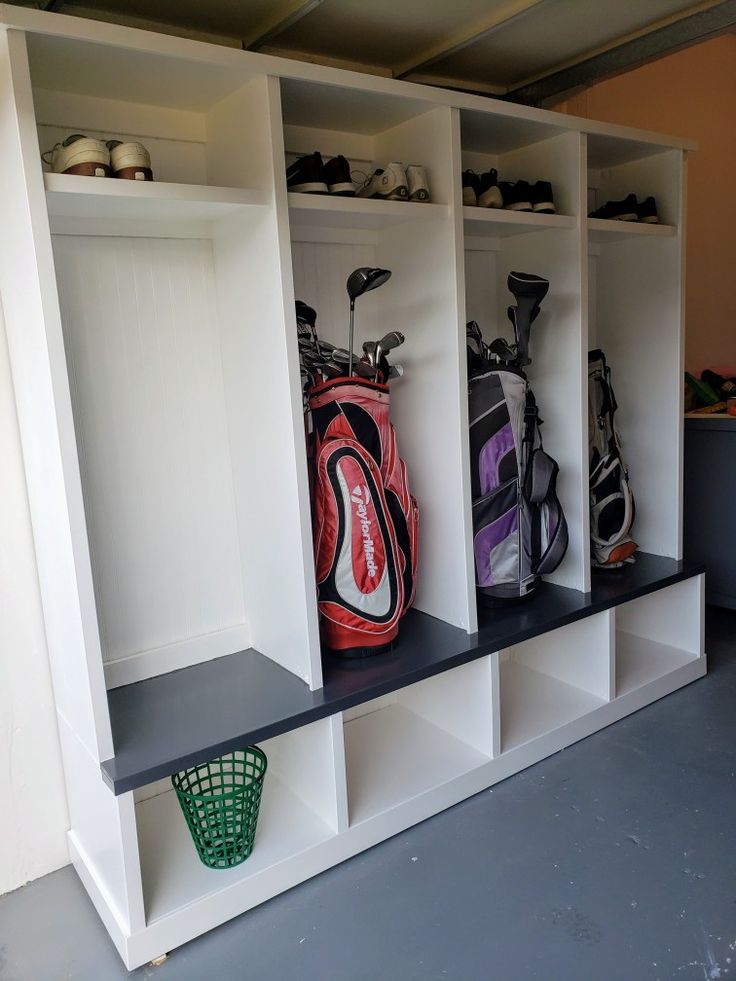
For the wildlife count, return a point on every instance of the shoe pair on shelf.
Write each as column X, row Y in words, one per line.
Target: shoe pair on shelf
column 396, row 182
column 629, row 209
column 485, row 191
column 80, row 154
column 309, row 175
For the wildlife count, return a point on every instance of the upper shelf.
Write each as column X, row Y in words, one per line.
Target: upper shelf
column 104, row 199
column 176, row 720
column 325, row 211
column 604, row 230
column 498, row 222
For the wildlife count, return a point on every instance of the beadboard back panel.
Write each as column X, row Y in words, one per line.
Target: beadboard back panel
column 146, row 376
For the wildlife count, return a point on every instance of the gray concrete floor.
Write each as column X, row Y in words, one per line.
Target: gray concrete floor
column 614, row 860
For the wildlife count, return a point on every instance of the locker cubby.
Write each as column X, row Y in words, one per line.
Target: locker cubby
column 410, row 742
column 520, row 150
column 552, row 680
column 303, row 806
column 370, row 130
column 555, row 373
column 195, row 125
column 657, row 634
column 330, row 238
column 617, row 168
column 635, row 307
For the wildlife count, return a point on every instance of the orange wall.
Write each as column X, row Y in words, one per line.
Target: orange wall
column 693, row 94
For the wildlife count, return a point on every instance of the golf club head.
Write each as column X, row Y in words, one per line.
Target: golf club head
column 369, row 349
column 362, row 369
column 340, row 355
column 503, row 350
column 390, row 341
column 396, row 371
column 305, row 313
column 529, row 291
column 363, row 279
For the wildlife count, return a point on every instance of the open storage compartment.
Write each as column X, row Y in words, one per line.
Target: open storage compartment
column 549, row 246
column 520, row 150
column 552, row 680
column 197, row 126
column 417, row 739
column 417, row 241
column 164, row 289
column 635, row 317
column 658, row 633
column 303, row 805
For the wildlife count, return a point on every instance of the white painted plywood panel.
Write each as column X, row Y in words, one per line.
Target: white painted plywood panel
column 640, row 661
column 174, row 877
column 145, row 370
column 36, row 351
column 33, row 820
column 534, row 704
column 395, row 755
column 578, row 654
column 671, row 616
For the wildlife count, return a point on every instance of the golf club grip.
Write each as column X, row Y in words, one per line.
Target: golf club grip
column 391, row 340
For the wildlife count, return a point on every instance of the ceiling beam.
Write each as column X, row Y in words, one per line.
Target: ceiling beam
column 282, row 19
column 500, row 18
column 697, row 24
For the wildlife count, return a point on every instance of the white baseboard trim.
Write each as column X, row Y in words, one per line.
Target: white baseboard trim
column 171, row 657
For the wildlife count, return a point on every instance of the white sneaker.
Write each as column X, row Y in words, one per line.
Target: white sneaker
column 130, row 161
column 79, row 154
column 389, row 184
column 418, row 184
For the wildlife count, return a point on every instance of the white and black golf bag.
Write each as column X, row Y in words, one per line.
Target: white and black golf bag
column 612, row 507
column 519, row 528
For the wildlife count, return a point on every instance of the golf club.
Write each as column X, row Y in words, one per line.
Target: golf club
column 503, row 350
column 388, row 342
column 361, row 281
column 528, row 291
column 369, row 349
column 306, row 315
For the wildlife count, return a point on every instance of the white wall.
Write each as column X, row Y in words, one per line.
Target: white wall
column 33, row 815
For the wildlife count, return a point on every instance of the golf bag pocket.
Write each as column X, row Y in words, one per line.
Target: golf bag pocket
column 549, row 535
column 611, row 509
column 496, row 538
column 361, row 554
column 541, row 477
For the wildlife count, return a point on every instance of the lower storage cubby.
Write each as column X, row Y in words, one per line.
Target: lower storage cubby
column 657, row 634
column 552, row 680
column 416, row 739
column 299, row 810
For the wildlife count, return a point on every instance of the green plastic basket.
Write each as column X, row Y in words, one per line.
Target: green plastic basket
column 220, row 802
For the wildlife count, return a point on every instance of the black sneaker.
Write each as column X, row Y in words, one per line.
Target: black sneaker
column 625, row 210
column 471, row 184
column 647, row 211
column 336, row 174
column 489, row 194
column 542, row 201
column 306, row 175
column 517, row 195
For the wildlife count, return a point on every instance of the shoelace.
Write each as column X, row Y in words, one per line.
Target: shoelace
column 363, row 176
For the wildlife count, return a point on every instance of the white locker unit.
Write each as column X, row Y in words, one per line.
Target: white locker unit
column 153, row 346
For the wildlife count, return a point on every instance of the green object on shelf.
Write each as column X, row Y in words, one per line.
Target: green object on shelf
column 220, row 802
column 703, row 391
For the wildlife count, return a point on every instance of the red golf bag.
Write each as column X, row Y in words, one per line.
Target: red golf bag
column 365, row 519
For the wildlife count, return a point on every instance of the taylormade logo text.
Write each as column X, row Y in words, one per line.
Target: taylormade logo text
column 360, row 498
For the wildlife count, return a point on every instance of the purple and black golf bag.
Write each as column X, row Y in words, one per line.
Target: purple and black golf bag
column 519, row 529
